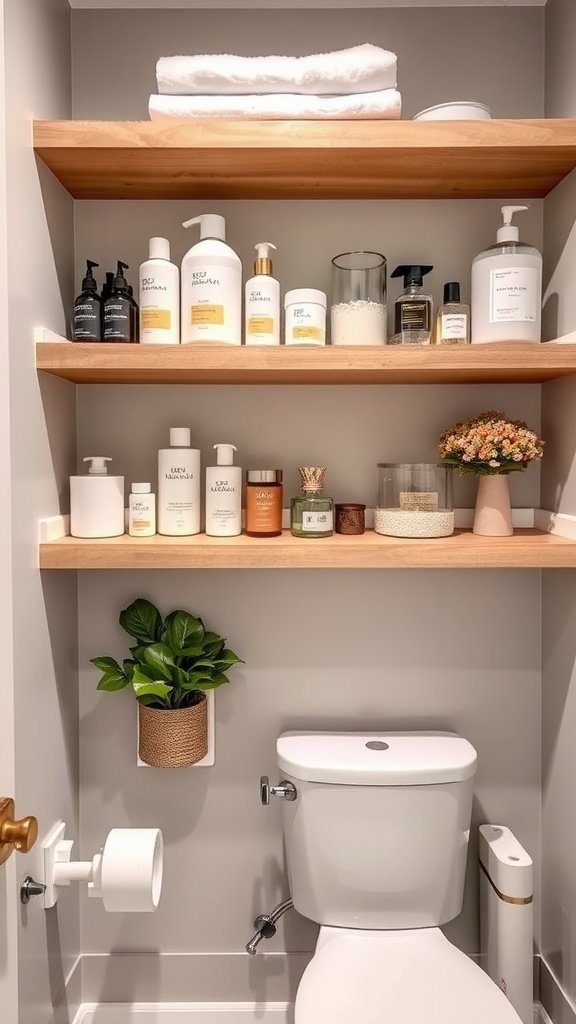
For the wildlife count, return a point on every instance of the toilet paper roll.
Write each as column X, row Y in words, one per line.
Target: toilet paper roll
column 131, row 870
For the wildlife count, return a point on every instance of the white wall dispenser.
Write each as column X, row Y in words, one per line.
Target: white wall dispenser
column 126, row 874
column 507, row 916
column 97, row 501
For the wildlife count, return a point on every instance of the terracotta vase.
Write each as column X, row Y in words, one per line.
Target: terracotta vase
column 172, row 739
column 493, row 514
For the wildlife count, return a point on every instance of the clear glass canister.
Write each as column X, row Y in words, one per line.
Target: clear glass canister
column 414, row 500
column 358, row 296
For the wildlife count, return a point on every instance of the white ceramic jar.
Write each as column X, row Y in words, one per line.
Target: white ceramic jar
column 305, row 317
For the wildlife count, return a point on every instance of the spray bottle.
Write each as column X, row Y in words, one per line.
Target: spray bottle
column 211, row 286
column 262, row 306
column 507, row 287
column 87, row 318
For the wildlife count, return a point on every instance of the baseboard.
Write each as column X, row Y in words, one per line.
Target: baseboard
column 554, row 1000
column 195, row 1013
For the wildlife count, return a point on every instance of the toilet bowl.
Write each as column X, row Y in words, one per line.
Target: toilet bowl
column 414, row 976
column 376, row 829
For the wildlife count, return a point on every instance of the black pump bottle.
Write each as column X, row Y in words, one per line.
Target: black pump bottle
column 87, row 317
column 121, row 320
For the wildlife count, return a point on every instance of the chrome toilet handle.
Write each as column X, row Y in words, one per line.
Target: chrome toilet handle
column 286, row 790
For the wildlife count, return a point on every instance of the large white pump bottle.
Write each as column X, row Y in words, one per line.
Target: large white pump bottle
column 262, row 306
column 211, row 286
column 507, row 287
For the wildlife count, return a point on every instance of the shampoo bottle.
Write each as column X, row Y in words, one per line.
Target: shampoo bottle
column 120, row 310
column 224, row 494
column 262, row 306
column 87, row 319
column 179, row 486
column 211, row 286
column 159, row 296
column 97, row 501
column 507, row 287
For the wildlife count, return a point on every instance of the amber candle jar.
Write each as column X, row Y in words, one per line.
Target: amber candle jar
column 264, row 493
column 350, row 519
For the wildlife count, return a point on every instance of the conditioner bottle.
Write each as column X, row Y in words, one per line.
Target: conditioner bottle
column 179, row 486
column 224, row 494
column 211, row 286
column 159, row 296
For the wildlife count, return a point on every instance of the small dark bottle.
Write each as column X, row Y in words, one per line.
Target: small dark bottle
column 87, row 318
column 121, row 311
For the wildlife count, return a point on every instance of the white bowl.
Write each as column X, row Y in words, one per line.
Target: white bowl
column 458, row 110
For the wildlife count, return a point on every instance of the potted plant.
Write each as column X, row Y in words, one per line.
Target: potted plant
column 491, row 447
column 173, row 663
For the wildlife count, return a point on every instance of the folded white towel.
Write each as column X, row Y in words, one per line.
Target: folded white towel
column 386, row 104
column 365, row 68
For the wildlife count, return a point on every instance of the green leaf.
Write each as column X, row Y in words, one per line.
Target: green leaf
column 112, row 681
column 145, row 672
column 194, row 679
column 148, row 688
column 160, row 658
column 191, row 652
column 179, row 677
column 129, row 667
column 183, row 630
column 143, row 621
column 218, row 679
column 227, row 659
column 106, row 664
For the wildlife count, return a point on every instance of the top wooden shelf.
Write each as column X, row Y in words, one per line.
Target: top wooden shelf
column 215, row 159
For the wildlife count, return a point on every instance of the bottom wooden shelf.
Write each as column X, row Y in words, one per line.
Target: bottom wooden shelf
column 527, row 549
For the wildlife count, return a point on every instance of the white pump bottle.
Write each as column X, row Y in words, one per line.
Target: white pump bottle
column 262, row 306
column 211, row 286
column 507, row 287
column 97, row 501
column 224, row 494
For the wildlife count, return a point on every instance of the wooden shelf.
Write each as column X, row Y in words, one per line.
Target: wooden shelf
column 307, row 159
column 235, row 364
column 527, row 549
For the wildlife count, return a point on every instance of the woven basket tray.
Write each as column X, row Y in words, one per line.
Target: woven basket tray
column 171, row 739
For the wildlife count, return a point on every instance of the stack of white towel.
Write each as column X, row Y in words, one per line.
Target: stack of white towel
column 358, row 83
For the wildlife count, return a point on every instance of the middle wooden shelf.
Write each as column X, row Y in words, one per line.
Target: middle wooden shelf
column 105, row 363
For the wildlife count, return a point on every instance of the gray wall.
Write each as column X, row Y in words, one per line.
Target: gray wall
column 559, row 492
column 42, row 439
column 331, row 649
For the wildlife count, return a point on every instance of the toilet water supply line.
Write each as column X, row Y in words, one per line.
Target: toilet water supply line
column 265, row 925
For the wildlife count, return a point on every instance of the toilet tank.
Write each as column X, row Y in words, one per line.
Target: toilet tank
column 377, row 836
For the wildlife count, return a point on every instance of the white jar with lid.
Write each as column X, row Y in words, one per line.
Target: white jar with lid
column 305, row 316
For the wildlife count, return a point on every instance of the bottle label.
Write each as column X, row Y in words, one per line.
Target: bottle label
column 315, row 522
column 307, row 333
column 454, row 326
column 412, row 315
column 514, row 295
column 155, row 319
column 206, row 314
column 260, row 325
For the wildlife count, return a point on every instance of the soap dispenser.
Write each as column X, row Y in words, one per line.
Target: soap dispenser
column 224, row 494
column 87, row 319
column 211, row 286
column 413, row 309
column 121, row 321
column 262, row 306
column 97, row 501
column 507, row 287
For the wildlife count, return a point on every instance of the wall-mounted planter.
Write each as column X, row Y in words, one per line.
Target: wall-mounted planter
column 173, row 739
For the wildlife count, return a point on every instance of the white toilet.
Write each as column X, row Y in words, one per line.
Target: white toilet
column 376, row 841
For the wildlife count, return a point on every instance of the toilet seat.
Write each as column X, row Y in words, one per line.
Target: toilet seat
column 414, row 976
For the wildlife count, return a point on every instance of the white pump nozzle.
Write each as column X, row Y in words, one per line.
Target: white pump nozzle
column 509, row 232
column 263, row 249
column 225, row 454
column 212, row 225
column 98, row 465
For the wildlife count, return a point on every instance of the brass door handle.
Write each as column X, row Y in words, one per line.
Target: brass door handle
column 15, row 835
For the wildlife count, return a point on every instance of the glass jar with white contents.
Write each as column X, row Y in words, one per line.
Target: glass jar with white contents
column 358, row 295
column 414, row 500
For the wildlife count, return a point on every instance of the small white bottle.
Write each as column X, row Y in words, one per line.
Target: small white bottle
column 262, row 306
column 507, row 287
column 224, row 494
column 211, row 286
column 142, row 511
column 179, row 486
column 97, row 501
column 159, row 295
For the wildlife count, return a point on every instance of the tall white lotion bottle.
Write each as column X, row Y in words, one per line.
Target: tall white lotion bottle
column 159, row 295
column 211, row 286
column 179, row 486
column 507, row 287
column 224, row 494
column 262, row 305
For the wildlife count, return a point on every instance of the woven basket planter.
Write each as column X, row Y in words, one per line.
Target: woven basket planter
column 172, row 739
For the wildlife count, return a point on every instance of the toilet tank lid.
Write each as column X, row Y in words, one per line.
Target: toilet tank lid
column 376, row 758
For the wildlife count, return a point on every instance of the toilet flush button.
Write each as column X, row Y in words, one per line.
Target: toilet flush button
column 377, row 745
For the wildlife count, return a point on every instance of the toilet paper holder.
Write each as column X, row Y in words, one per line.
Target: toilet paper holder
column 126, row 873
